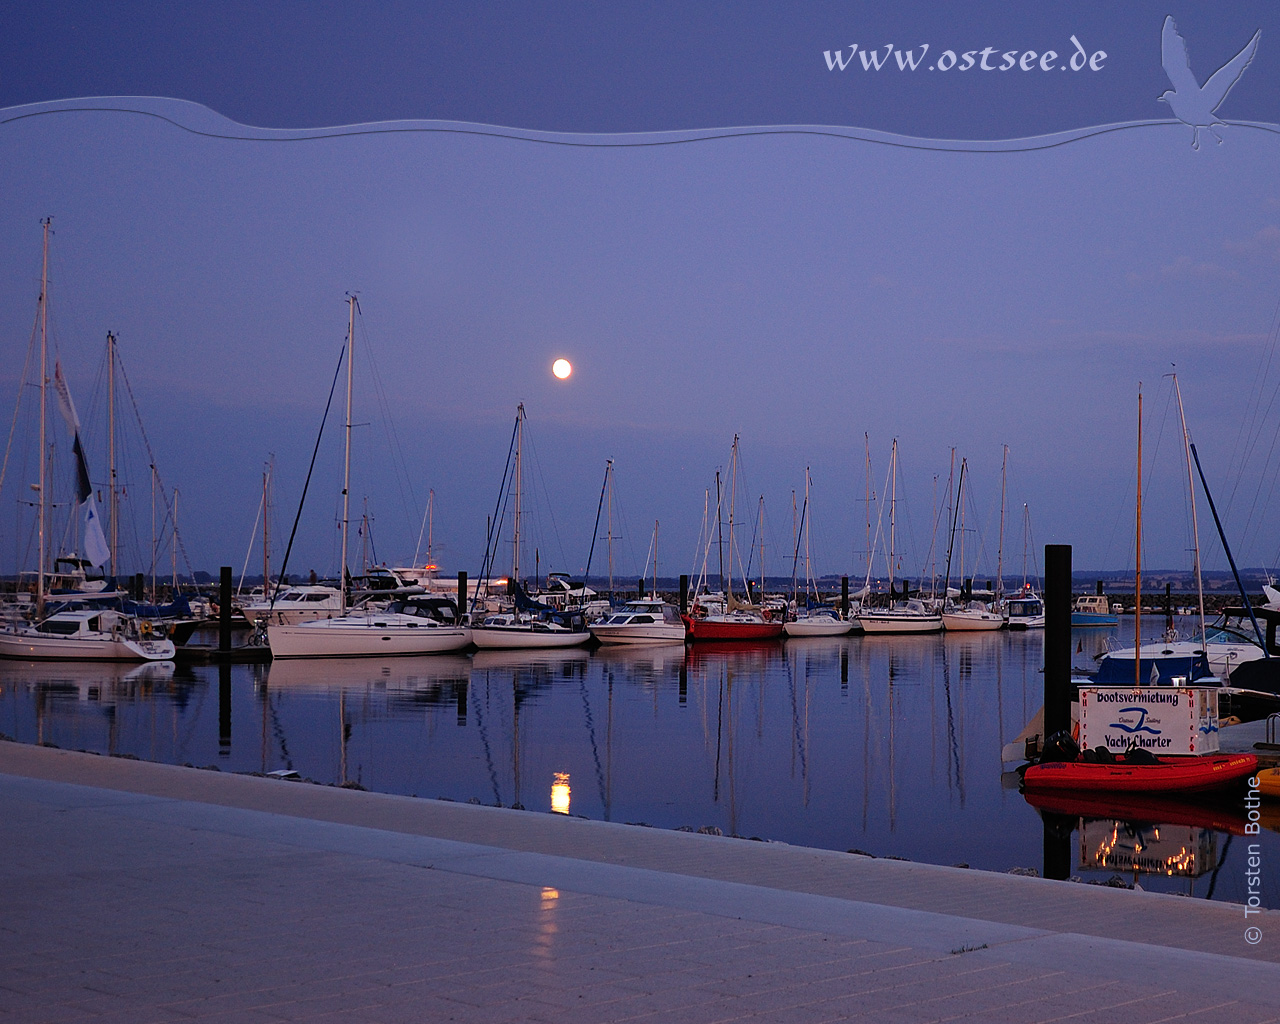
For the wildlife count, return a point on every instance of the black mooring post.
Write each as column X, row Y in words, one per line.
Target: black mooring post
column 844, row 597
column 224, row 610
column 684, row 594
column 462, row 594
column 1057, row 639
column 640, row 589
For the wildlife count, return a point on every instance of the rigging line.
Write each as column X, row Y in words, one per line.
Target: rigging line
column 400, row 464
column 146, row 441
column 17, row 402
column 1245, row 430
column 284, row 565
column 499, row 508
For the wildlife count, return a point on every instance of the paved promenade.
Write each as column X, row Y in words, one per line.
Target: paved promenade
column 139, row 893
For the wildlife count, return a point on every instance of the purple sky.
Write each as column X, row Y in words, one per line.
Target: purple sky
column 798, row 290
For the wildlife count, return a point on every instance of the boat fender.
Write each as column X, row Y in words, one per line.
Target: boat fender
column 144, row 627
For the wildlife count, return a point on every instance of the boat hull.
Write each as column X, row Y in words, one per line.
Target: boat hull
column 891, row 623
column 1170, row 775
column 712, row 630
column 1082, row 620
column 960, row 622
column 514, row 637
column 328, row 638
column 32, row 645
column 654, row 633
column 818, row 627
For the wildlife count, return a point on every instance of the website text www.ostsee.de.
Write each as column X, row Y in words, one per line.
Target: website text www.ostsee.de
column 990, row 58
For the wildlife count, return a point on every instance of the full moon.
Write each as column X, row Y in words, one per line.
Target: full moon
column 562, row 368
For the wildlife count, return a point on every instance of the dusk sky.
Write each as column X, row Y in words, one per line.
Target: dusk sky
column 798, row 287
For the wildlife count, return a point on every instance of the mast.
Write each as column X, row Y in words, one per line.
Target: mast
column 1191, row 489
column 719, row 533
column 1137, row 576
column 733, row 494
column 431, row 522
column 266, row 532
column 112, row 500
column 346, row 472
column 655, row 560
column 608, row 527
column 515, row 562
column 175, row 544
column 866, row 440
column 153, row 533
column 1004, row 466
column 808, row 560
column 893, row 501
column 762, row 549
column 41, row 514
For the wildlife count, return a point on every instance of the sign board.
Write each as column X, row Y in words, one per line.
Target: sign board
column 1160, row 719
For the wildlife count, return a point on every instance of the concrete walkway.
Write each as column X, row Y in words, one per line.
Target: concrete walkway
column 144, row 893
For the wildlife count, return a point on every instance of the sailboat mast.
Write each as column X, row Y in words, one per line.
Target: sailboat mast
column 112, row 501
column 41, row 514
column 1137, row 576
column 655, row 559
column 346, row 472
column 1191, row 489
column 175, row 544
column 609, row 527
column 808, row 561
column 266, row 532
column 866, row 440
column 893, row 501
column 1004, row 466
column 515, row 562
column 733, row 493
column 719, row 533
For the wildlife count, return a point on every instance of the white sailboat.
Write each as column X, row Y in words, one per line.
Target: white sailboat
column 972, row 612
column 530, row 623
column 908, row 615
column 410, row 626
column 817, row 618
column 76, row 633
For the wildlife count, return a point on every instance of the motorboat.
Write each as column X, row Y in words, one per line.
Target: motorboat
column 87, row 634
column 1092, row 610
column 644, row 621
column 415, row 625
column 304, row 603
column 1026, row 611
column 1225, row 646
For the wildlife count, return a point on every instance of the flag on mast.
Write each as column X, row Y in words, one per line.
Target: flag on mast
column 95, row 542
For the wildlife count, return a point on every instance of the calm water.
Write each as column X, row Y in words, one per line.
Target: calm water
column 890, row 745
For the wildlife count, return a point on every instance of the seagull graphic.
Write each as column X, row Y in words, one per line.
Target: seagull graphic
column 1192, row 103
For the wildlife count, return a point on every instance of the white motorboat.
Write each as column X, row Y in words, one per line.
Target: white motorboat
column 1026, row 611
column 413, row 626
column 645, row 621
column 822, row 620
column 93, row 634
column 296, row 605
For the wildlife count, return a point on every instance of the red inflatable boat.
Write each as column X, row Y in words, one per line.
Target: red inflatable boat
column 1167, row 775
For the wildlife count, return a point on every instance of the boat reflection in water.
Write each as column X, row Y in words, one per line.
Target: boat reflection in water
column 884, row 744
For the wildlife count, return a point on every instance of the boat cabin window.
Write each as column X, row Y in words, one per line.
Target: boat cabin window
column 316, row 597
column 59, row 627
column 640, row 619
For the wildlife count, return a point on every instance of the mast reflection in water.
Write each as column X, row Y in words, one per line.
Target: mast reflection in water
column 884, row 744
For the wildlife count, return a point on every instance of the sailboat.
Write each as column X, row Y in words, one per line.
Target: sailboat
column 968, row 614
column 908, row 615
column 817, row 618
column 85, row 631
column 732, row 619
column 413, row 625
column 529, row 623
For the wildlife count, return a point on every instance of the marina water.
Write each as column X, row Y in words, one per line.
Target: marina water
column 885, row 745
